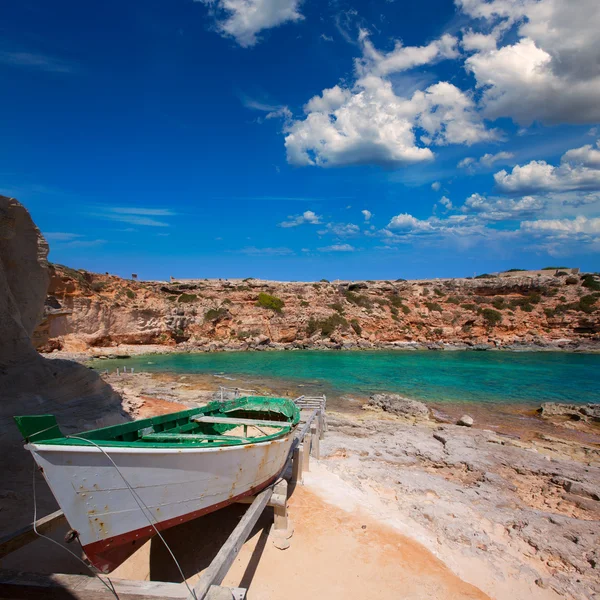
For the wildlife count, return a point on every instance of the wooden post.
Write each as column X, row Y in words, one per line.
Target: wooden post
column 297, row 466
column 315, row 436
column 17, row 539
column 279, row 502
column 306, row 453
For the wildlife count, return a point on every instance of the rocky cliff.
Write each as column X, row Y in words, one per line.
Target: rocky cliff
column 29, row 383
column 551, row 308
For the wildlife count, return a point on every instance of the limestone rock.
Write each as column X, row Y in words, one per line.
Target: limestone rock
column 398, row 405
column 575, row 412
column 465, row 421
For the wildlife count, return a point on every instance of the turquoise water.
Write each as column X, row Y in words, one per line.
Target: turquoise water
column 481, row 377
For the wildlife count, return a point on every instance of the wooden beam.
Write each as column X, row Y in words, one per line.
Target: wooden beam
column 234, row 421
column 16, row 585
column 21, row 537
column 218, row 568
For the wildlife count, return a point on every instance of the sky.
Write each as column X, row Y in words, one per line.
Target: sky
column 302, row 139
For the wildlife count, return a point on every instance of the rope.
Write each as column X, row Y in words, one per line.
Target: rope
column 109, row 586
column 141, row 505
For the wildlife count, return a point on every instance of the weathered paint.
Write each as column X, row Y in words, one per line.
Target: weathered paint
column 176, row 485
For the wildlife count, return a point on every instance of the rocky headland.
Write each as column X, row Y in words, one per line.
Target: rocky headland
column 554, row 309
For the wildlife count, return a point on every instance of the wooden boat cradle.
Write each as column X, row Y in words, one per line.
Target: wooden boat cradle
column 15, row 584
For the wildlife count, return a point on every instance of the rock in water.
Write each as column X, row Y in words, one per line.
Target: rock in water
column 465, row 421
column 575, row 412
column 398, row 405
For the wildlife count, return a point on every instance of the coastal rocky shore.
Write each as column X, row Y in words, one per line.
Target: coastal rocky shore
column 542, row 310
column 513, row 511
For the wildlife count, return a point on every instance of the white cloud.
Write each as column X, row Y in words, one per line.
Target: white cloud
column 341, row 229
column 326, row 38
column 551, row 73
column 577, row 225
column 446, row 203
column 472, row 40
column 579, row 170
column 487, row 161
column 254, row 251
column 402, row 58
column 367, row 214
column 307, row 217
column 149, row 212
column 244, row 19
column 501, row 209
column 436, row 186
column 405, row 221
column 61, row 236
column 338, row 248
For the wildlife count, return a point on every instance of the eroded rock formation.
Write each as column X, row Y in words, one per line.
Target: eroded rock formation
column 552, row 309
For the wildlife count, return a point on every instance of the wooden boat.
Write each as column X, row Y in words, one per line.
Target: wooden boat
column 116, row 484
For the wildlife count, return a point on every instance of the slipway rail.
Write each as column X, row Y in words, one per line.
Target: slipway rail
column 16, row 584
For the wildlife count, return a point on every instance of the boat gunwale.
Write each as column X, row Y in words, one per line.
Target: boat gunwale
column 163, row 448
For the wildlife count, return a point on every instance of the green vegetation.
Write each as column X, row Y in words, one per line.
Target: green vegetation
column 98, row 286
column 216, row 314
column 492, row 317
column 549, row 313
column 337, row 307
column 130, row 294
column 485, row 276
column 244, row 335
column 187, row 298
column 585, row 304
column 514, row 270
column 396, row 300
column 439, row 293
column 438, row 331
column 471, row 307
column 172, row 298
column 356, row 326
column 304, row 304
column 271, row 302
column 434, row 307
column 591, row 283
column 324, row 280
column 553, row 268
column 452, row 300
column 326, row 326
column 358, row 299
column 498, row 303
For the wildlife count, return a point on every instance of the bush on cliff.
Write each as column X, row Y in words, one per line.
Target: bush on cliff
column 491, row 316
column 187, row 298
column 326, row 326
column 591, row 283
column 271, row 302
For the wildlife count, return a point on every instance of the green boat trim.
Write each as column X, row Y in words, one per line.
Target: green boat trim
column 174, row 430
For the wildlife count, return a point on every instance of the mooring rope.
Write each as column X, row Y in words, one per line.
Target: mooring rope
column 109, row 586
column 141, row 505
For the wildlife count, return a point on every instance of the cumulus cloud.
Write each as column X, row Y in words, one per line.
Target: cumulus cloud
column 577, row 225
column 446, row 203
column 307, row 217
column 550, row 73
column 471, row 165
column 501, row 209
column 367, row 214
column 579, row 170
column 243, row 20
column 341, row 229
column 436, row 186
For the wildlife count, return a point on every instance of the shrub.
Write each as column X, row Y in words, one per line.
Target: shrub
column 439, row 293
column 216, row 314
column 586, row 303
column 187, row 298
column 550, row 292
column 549, row 313
column 324, row 280
column 172, row 298
column 304, row 304
column 492, row 317
column 396, row 300
column 326, row 326
column 130, row 294
column 244, row 335
column 358, row 299
column 271, row 302
column 498, row 303
column 591, row 283
column 514, row 270
column 438, row 331
column 471, row 307
column 434, row 307
column 452, row 300
column 572, row 281
column 485, row 276
column 405, row 309
column 337, row 307
column 553, row 268
column 98, row 286
column 356, row 326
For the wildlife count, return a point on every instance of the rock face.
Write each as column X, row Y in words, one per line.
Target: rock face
column 398, row 405
column 86, row 310
column 23, row 281
column 30, row 384
column 575, row 412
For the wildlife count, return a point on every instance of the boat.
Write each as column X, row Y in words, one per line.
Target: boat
column 118, row 486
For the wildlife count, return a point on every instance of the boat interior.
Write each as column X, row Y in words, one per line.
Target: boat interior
column 244, row 420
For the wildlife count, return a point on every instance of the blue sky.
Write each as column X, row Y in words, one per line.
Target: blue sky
column 297, row 140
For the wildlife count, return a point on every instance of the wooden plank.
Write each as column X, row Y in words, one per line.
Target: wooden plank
column 315, row 436
column 170, row 437
column 230, row 421
column 16, row 585
column 306, row 453
column 218, row 568
column 21, row 537
column 297, row 466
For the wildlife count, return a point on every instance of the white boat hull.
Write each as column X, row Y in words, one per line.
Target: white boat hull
column 175, row 485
